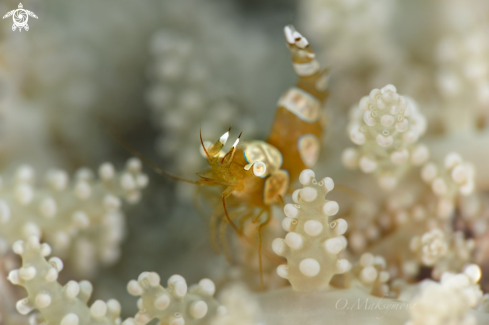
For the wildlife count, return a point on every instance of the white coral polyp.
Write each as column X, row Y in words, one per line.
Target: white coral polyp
column 176, row 304
column 449, row 301
column 312, row 248
column 454, row 178
column 386, row 127
column 444, row 252
column 57, row 304
column 434, row 246
column 371, row 274
column 81, row 215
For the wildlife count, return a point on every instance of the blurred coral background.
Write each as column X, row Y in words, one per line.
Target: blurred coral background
column 159, row 71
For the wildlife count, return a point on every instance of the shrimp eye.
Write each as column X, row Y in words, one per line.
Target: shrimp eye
column 259, row 168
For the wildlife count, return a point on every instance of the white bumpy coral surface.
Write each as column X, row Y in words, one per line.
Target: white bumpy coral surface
column 313, row 242
column 56, row 304
column 386, row 128
column 82, row 218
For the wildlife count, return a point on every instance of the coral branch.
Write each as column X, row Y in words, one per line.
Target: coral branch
column 386, row 127
column 81, row 219
column 64, row 305
column 449, row 301
column 175, row 305
column 312, row 243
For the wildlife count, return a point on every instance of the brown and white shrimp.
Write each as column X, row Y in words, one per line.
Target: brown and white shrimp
column 255, row 175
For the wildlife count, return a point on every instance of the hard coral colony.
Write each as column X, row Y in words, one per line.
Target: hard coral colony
column 407, row 253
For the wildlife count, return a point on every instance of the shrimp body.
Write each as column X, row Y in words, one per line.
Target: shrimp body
column 297, row 128
column 254, row 176
column 257, row 172
column 272, row 182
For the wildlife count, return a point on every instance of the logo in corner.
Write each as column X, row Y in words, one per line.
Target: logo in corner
column 20, row 17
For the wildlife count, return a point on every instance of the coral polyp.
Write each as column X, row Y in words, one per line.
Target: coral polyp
column 313, row 241
column 386, row 127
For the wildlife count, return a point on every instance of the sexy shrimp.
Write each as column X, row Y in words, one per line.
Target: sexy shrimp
column 258, row 173
column 297, row 129
column 255, row 175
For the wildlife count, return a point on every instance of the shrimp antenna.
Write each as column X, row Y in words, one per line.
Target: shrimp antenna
column 143, row 158
column 202, row 143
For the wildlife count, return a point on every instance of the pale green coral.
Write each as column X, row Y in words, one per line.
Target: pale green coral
column 64, row 305
column 386, row 128
column 81, row 219
column 67, row 305
column 445, row 253
column 383, row 226
column 175, row 305
column 370, row 275
column 455, row 178
column 449, row 301
column 312, row 243
column 8, row 294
